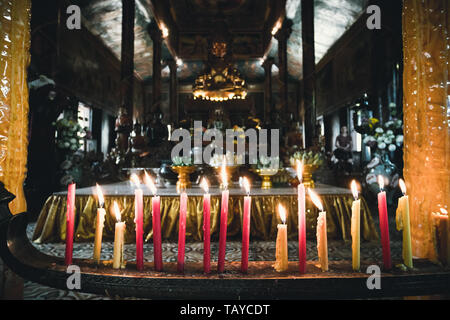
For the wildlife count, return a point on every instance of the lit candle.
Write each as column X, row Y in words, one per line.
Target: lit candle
column 118, row 261
column 206, row 226
column 99, row 225
column 246, row 226
column 70, row 221
column 356, row 229
column 139, row 221
column 182, row 231
column 301, row 219
column 281, row 249
column 384, row 225
column 442, row 235
column 403, row 223
column 223, row 219
column 156, row 223
column 321, row 232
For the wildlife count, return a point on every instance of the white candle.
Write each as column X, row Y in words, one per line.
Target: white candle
column 321, row 232
column 356, row 229
column 281, row 250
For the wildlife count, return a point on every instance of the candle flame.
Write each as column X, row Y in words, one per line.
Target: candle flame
column 117, row 211
column 223, row 173
column 381, row 182
column 402, row 186
column 149, row 183
column 299, row 166
column 315, row 199
column 443, row 211
column 354, row 189
column 204, row 184
column 282, row 213
column 101, row 199
column 246, row 185
column 276, row 27
column 135, row 180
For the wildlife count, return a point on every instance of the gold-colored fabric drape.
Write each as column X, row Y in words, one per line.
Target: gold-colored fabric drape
column 14, row 60
column 426, row 116
column 51, row 226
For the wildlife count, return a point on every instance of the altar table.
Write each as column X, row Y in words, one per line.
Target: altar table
column 51, row 226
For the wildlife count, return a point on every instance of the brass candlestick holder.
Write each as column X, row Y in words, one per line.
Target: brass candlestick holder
column 183, row 176
column 308, row 170
column 266, row 175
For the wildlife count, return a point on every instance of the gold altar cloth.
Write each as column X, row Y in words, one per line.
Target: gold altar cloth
column 51, row 226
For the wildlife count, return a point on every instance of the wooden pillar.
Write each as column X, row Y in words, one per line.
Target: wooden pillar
column 268, row 99
column 282, row 36
column 426, row 26
column 127, row 56
column 173, row 91
column 156, row 36
column 309, row 71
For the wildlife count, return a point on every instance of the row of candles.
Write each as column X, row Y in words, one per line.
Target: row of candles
column 281, row 263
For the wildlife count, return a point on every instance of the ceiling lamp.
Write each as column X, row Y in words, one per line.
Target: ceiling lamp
column 220, row 81
column 220, row 84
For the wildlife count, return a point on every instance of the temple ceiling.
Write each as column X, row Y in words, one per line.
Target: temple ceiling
column 249, row 22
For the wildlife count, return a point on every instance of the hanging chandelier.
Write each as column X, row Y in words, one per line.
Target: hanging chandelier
column 220, row 81
column 220, row 85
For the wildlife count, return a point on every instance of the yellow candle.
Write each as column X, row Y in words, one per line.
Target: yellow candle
column 442, row 235
column 321, row 232
column 403, row 223
column 281, row 253
column 99, row 226
column 98, row 234
column 356, row 229
column 118, row 261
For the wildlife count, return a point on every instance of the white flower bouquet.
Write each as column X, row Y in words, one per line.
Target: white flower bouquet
column 68, row 134
column 389, row 137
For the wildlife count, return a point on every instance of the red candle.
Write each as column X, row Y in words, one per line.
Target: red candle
column 182, row 231
column 70, row 220
column 156, row 222
column 223, row 221
column 246, row 226
column 139, row 221
column 301, row 220
column 206, row 227
column 384, row 225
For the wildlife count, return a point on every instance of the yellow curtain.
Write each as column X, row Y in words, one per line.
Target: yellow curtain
column 426, row 116
column 14, row 60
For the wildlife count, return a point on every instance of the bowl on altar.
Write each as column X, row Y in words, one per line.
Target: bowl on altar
column 307, row 179
column 266, row 175
column 231, row 170
column 183, row 172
